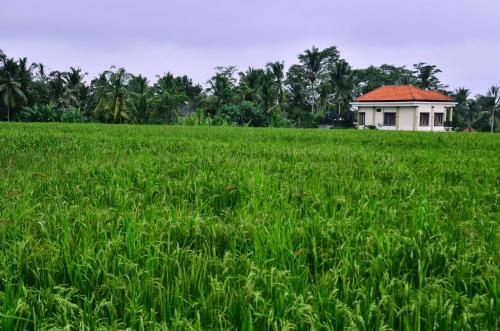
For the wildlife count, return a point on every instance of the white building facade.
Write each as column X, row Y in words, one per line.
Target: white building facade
column 405, row 115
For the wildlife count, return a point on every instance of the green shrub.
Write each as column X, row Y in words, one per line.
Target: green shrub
column 40, row 113
column 72, row 115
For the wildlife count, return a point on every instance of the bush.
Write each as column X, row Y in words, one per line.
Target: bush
column 302, row 118
column 196, row 118
column 279, row 120
column 243, row 114
column 72, row 115
column 40, row 113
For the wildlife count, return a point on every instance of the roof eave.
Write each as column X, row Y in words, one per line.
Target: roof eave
column 401, row 103
column 403, row 100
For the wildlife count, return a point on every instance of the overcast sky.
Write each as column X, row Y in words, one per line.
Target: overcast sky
column 462, row 37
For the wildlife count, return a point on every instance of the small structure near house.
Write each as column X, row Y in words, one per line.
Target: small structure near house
column 404, row 107
column 326, row 126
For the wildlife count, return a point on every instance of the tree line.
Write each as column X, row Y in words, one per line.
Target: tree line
column 315, row 90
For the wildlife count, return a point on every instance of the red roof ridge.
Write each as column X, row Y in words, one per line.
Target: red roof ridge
column 407, row 92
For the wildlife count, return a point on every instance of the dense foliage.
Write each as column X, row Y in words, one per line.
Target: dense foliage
column 316, row 90
column 189, row 228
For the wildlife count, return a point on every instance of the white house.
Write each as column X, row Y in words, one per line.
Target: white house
column 404, row 107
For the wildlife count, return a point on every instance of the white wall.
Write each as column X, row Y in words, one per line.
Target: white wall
column 368, row 115
column 406, row 120
column 431, row 109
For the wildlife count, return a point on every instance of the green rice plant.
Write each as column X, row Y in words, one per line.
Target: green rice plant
column 187, row 228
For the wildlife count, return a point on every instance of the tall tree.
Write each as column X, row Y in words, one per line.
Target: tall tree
column 331, row 55
column 140, row 94
column 24, row 74
column 297, row 95
column 368, row 79
column 75, row 85
column 268, row 92
column 313, row 62
column 341, row 80
column 278, row 74
column 251, row 84
column 39, row 90
column 426, row 75
column 463, row 109
column 114, row 102
column 494, row 103
column 168, row 98
column 221, row 89
column 57, row 89
column 296, row 82
column 11, row 93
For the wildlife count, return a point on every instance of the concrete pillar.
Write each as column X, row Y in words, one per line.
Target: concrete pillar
column 374, row 116
column 415, row 119
column 397, row 118
column 451, row 113
column 431, row 119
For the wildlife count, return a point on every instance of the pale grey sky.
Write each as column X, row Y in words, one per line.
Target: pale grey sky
column 192, row 37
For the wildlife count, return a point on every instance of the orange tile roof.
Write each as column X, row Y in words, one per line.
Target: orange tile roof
column 402, row 93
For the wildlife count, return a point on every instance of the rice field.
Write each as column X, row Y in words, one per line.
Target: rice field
column 190, row 228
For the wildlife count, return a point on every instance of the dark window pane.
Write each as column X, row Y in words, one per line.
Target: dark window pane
column 361, row 118
column 438, row 119
column 389, row 119
column 424, row 119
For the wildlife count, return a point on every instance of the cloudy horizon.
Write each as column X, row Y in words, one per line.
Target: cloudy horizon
column 192, row 38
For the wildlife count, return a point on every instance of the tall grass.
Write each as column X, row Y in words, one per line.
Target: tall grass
column 184, row 228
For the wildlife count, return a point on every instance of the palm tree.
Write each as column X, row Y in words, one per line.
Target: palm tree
column 250, row 84
column 494, row 96
column 57, row 89
column 140, row 93
column 168, row 97
column 278, row 73
column 74, row 78
column 267, row 91
column 296, row 83
column 75, row 89
column 312, row 61
column 24, row 74
column 463, row 107
column 113, row 95
column 222, row 85
column 11, row 93
column 342, row 83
